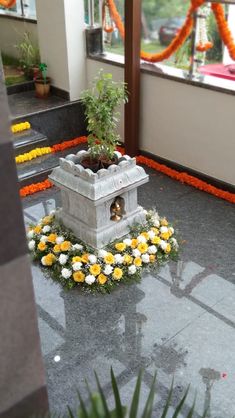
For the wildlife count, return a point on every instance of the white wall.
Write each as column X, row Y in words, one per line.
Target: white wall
column 189, row 125
column 11, row 33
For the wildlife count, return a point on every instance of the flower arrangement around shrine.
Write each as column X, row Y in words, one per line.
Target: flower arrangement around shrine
column 72, row 263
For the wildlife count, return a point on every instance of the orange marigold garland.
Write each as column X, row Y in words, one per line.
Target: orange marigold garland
column 105, row 11
column 69, row 144
column 224, row 30
column 7, row 3
column 36, row 187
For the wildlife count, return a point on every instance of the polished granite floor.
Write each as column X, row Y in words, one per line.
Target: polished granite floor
column 180, row 321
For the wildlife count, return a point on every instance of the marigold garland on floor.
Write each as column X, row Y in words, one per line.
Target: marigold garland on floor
column 36, row 187
column 19, row 127
column 72, row 263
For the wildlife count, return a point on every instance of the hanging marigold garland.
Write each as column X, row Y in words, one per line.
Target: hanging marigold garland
column 7, row 3
column 203, row 44
column 223, row 28
column 105, row 18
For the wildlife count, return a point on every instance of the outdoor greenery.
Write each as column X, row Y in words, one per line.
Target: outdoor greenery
column 100, row 104
column 29, row 56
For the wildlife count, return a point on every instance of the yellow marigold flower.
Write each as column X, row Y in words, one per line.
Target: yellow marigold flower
column 143, row 247
column 76, row 259
column 138, row 262
column 84, row 258
column 165, row 235
column 51, row 238
column 127, row 259
column 117, row 273
column 37, row 229
column 145, row 235
column 56, row 249
column 95, row 269
column 102, row 279
column 156, row 240
column 42, row 246
column 49, row 259
column 47, row 220
column 79, row 276
column 134, row 243
column 65, row 246
column 168, row 248
column 152, row 258
column 109, row 258
column 120, row 246
column 155, row 230
column 164, row 222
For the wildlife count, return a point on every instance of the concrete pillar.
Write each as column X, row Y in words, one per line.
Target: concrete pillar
column 22, row 380
column 62, row 43
column 231, row 19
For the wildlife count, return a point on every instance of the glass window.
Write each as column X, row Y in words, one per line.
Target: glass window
column 22, row 8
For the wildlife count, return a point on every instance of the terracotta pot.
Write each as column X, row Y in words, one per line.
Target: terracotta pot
column 105, row 162
column 42, row 87
column 92, row 163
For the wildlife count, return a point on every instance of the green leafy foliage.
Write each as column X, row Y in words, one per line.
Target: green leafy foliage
column 28, row 53
column 100, row 104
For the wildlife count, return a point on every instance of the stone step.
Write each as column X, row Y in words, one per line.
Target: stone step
column 27, row 140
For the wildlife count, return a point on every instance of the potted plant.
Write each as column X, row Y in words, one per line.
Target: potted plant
column 29, row 56
column 100, row 103
column 42, row 82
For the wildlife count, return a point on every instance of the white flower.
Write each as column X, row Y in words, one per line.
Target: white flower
column 102, row 253
column 141, row 239
column 155, row 220
column 43, row 261
column 30, row 234
column 152, row 249
column 145, row 258
column 118, row 258
column 145, row 212
column 66, row 273
column 92, row 258
column 59, row 240
column 63, row 259
column 108, row 269
column 31, row 245
column 46, row 229
column 163, row 229
column 132, row 269
column 163, row 245
column 43, row 238
column 52, row 212
column 174, row 243
column 136, row 252
column 151, row 234
column 90, row 279
column 127, row 241
column 77, row 266
column 171, row 229
column 77, row 247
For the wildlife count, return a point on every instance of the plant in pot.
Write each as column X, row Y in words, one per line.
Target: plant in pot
column 29, row 56
column 42, row 82
column 100, row 103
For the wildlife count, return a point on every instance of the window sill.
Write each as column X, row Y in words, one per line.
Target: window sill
column 171, row 73
column 16, row 16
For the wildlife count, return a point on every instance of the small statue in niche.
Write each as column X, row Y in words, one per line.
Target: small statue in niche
column 117, row 209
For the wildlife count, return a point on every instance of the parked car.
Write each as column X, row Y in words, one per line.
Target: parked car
column 169, row 30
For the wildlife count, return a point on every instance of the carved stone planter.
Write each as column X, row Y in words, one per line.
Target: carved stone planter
column 99, row 207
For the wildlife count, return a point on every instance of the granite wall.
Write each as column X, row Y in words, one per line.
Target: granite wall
column 22, row 379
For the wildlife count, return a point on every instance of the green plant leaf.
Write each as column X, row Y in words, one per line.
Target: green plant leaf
column 149, row 404
column 190, row 414
column 105, row 406
column 136, row 396
column 181, row 403
column 119, row 408
column 168, row 400
column 83, row 412
column 70, row 413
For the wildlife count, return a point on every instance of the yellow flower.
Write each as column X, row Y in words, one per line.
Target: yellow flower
column 79, row 276
column 117, row 273
column 127, row 259
column 47, row 220
column 164, row 222
column 84, row 258
column 76, row 259
column 51, row 238
column 42, row 246
column 156, row 240
column 143, row 247
column 165, row 235
column 168, row 248
column 145, row 235
column 138, row 262
column 95, row 269
column 152, row 258
column 37, row 229
column 109, row 258
column 134, row 243
column 102, row 279
column 120, row 246
column 155, row 230
column 49, row 259
column 65, row 246
column 56, row 249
